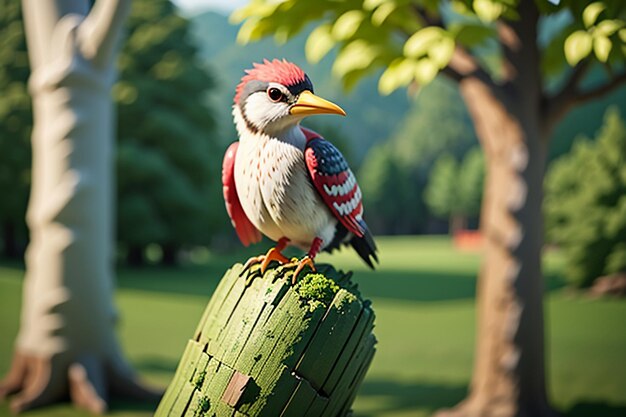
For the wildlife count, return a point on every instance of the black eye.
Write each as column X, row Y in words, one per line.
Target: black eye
column 275, row 94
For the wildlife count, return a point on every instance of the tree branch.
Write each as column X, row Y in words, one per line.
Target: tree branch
column 101, row 29
column 577, row 75
column 452, row 74
column 427, row 18
column 560, row 103
column 600, row 90
column 41, row 19
column 462, row 64
column 510, row 44
column 571, row 95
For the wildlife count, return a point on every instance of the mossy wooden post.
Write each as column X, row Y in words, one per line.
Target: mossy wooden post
column 266, row 348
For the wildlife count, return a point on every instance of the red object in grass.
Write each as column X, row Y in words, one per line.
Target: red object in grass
column 469, row 240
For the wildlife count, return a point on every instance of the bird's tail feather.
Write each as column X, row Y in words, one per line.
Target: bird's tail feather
column 365, row 246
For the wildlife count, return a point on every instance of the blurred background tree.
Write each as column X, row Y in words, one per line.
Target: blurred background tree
column 66, row 344
column 15, row 127
column 586, row 204
column 389, row 192
column 168, row 157
column 517, row 87
column 394, row 173
column 455, row 189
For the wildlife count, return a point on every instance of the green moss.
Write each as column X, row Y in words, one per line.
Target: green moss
column 200, row 379
column 317, row 290
column 203, row 406
column 349, row 298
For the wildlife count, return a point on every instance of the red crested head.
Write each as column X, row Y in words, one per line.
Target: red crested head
column 276, row 71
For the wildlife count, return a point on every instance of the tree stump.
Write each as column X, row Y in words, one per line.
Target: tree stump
column 265, row 347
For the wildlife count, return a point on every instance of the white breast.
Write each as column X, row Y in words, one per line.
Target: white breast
column 275, row 191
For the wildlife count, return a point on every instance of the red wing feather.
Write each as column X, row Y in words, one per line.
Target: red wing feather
column 246, row 231
column 334, row 181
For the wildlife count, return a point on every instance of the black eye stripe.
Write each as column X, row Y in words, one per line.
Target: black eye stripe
column 299, row 87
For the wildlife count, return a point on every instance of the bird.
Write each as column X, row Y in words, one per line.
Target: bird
column 285, row 181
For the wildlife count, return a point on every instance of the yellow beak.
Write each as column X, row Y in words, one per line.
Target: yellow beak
column 308, row 104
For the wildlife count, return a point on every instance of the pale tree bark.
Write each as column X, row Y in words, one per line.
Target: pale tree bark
column 67, row 344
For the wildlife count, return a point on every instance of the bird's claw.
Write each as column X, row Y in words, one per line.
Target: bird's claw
column 272, row 255
column 306, row 261
column 249, row 263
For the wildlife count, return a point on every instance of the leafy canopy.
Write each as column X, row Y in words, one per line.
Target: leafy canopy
column 415, row 40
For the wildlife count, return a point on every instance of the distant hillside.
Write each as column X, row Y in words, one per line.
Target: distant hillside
column 371, row 118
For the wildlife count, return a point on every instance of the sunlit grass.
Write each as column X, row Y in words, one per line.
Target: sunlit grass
column 423, row 296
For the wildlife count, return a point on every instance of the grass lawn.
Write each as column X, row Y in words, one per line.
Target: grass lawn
column 423, row 296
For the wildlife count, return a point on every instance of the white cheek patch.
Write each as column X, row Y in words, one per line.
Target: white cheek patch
column 261, row 111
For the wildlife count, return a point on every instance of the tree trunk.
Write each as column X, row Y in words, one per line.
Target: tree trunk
column 170, row 254
column 66, row 343
column 457, row 222
column 509, row 368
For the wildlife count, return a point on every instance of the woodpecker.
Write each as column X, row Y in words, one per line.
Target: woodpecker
column 285, row 181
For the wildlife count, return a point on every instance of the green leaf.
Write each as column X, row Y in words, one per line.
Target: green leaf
column 421, row 41
column 372, row 4
column 577, row 46
column 591, row 13
column 351, row 79
column 471, row 34
column 488, row 10
column 382, row 13
column 347, row 24
column 248, row 31
column 553, row 55
column 441, row 53
column 281, row 35
column 432, row 41
column 356, row 55
column 319, row 43
column 460, row 7
column 602, row 47
column 399, row 74
column 608, row 27
column 253, row 9
column 622, row 34
column 425, row 71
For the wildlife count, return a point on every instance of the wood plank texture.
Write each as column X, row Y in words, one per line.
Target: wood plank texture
column 266, row 348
